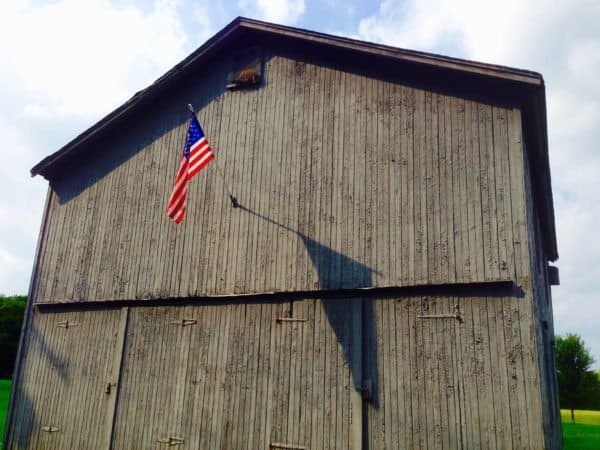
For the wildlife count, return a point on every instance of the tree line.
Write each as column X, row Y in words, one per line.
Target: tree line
column 11, row 318
column 578, row 384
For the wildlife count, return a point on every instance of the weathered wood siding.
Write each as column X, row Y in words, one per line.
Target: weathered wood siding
column 237, row 378
column 345, row 181
column 61, row 395
column 543, row 323
column 350, row 182
column 445, row 383
column 231, row 375
column 234, row 376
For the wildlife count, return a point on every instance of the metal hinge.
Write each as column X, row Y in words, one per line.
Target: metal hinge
column 290, row 319
column 287, row 446
column 66, row 324
column 171, row 441
column 184, row 322
column 456, row 315
column 50, row 429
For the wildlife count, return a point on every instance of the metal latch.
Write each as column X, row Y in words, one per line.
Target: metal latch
column 184, row 322
column 109, row 386
column 287, row 446
column 171, row 441
column 290, row 319
column 456, row 315
column 66, row 324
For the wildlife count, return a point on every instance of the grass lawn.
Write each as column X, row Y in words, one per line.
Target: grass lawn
column 4, row 394
column 584, row 434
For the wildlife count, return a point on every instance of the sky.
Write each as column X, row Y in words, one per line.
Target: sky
column 65, row 64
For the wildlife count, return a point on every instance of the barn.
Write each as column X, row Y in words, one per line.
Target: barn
column 383, row 281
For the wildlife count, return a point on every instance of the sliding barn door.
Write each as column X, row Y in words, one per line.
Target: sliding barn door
column 449, row 372
column 241, row 376
column 65, row 396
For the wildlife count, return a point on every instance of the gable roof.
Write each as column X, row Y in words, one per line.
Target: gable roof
column 495, row 80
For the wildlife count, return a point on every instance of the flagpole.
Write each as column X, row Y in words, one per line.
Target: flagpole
column 234, row 201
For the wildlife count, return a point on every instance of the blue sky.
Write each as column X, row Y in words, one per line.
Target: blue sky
column 67, row 63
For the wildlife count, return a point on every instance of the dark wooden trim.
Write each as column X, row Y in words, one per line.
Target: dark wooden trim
column 496, row 288
column 27, row 317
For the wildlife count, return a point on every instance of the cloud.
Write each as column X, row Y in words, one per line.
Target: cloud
column 86, row 57
column 12, row 266
column 279, row 11
column 562, row 41
column 65, row 64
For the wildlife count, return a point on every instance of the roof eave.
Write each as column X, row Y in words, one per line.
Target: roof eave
column 442, row 62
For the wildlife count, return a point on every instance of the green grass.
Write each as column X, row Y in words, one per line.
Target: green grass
column 584, row 434
column 581, row 417
column 4, row 394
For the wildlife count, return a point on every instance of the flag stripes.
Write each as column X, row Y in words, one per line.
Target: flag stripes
column 196, row 155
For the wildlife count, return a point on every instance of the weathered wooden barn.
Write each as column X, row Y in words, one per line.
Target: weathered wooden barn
column 383, row 284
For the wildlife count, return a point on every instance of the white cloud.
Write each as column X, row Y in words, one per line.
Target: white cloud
column 279, row 11
column 562, row 41
column 64, row 65
column 11, row 266
column 86, row 57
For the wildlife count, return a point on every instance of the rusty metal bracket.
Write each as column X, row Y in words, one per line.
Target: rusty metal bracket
column 171, row 441
column 441, row 316
column 109, row 386
column 290, row 319
column 184, row 322
column 457, row 315
column 287, row 446
column 366, row 389
column 66, row 324
column 50, row 429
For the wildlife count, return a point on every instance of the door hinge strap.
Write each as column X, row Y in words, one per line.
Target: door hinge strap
column 66, row 324
column 171, row 441
column 287, row 446
column 50, row 429
column 184, row 322
column 442, row 316
column 291, row 319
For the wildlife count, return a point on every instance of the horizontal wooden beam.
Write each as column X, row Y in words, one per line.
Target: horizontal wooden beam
column 495, row 288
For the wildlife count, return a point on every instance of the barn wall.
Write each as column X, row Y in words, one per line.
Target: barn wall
column 447, row 382
column 237, row 378
column 543, row 324
column 346, row 181
column 60, row 397
column 234, row 375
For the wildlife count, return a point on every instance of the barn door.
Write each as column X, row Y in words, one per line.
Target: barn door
column 236, row 375
column 66, row 396
column 316, row 354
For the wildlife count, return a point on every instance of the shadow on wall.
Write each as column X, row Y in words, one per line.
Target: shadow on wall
column 26, row 424
column 323, row 259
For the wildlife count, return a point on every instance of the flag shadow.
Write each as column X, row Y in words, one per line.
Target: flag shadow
column 354, row 275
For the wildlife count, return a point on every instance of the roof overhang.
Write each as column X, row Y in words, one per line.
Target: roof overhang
column 496, row 80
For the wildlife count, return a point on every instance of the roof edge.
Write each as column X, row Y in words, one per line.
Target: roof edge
column 520, row 76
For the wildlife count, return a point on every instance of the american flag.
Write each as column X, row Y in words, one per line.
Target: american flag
column 196, row 155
